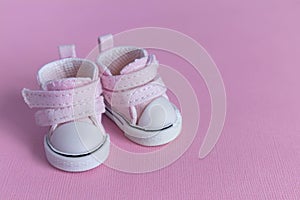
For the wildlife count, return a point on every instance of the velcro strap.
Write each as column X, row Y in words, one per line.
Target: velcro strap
column 64, row 98
column 131, row 80
column 136, row 96
column 48, row 117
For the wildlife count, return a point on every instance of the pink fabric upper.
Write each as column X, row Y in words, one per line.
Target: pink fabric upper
column 135, row 66
column 136, row 84
column 65, row 97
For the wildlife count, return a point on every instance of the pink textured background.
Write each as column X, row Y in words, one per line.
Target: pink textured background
column 256, row 46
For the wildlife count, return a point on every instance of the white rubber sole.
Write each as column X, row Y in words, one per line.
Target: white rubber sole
column 147, row 137
column 78, row 163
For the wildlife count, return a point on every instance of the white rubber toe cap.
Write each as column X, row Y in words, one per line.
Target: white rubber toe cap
column 158, row 114
column 75, row 138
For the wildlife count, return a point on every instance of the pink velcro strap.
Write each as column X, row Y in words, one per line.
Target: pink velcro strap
column 64, row 98
column 67, row 51
column 136, row 96
column 131, row 80
column 48, row 117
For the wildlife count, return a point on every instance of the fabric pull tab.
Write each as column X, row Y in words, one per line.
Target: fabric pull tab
column 105, row 42
column 67, row 51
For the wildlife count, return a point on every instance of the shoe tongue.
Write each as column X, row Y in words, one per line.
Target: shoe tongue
column 82, row 78
column 66, row 83
column 136, row 65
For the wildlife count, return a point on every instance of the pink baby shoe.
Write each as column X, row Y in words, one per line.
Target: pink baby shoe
column 135, row 95
column 71, row 104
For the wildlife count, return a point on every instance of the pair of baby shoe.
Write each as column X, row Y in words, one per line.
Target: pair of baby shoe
column 72, row 98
